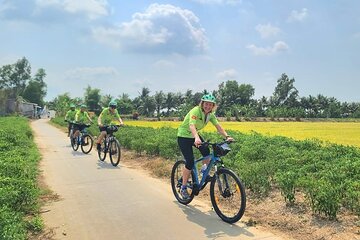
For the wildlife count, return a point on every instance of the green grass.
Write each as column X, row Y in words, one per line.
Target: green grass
column 18, row 179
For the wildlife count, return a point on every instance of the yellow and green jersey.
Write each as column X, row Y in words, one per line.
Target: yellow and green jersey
column 108, row 118
column 70, row 115
column 81, row 117
column 197, row 117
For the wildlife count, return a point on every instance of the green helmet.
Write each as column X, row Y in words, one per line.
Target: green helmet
column 208, row 98
column 83, row 106
column 72, row 105
column 112, row 103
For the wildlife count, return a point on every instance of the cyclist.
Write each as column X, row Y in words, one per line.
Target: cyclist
column 188, row 136
column 81, row 118
column 70, row 116
column 107, row 117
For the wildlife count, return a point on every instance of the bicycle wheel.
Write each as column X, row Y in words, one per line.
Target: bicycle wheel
column 227, row 195
column 176, row 182
column 114, row 152
column 74, row 143
column 87, row 143
column 102, row 151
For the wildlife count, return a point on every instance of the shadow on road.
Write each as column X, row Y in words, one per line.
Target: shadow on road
column 106, row 165
column 216, row 227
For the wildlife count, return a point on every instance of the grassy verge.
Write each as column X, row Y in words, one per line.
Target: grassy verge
column 19, row 192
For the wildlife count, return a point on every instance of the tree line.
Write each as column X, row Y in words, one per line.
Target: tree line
column 234, row 100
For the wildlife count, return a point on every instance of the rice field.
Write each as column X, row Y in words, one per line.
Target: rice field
column 345, row 133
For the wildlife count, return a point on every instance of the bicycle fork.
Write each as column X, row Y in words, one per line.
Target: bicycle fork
column 224, row 190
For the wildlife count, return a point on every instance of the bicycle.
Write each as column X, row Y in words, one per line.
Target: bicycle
column 84, row 139
column 110, row 145
column 227, row 193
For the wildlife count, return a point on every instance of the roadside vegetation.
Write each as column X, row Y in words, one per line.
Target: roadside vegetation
column 19, row 192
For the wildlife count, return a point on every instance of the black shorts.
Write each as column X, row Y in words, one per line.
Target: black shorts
column 186, row 148
column 79, row 127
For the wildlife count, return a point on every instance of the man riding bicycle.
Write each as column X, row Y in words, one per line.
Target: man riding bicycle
column 70, row 117
column 107, row 117
column 188, row 136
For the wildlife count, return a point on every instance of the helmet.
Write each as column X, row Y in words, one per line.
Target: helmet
column 83, row 106
column 112, row 103
column 72, row 105
column 208, row 98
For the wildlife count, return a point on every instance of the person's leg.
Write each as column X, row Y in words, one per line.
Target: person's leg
column 100, row 138
column 205, row 152
column 185, row 145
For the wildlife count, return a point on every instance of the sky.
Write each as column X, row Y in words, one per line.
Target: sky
column 122, row 46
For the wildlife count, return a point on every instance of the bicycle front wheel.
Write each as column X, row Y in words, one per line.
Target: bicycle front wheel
column 227, row 195
column 74, row 143
column 114, row 152
column 87, row 143
column 176, row 182
column 102, row 151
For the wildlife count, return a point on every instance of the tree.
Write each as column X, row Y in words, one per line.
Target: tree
column 231, row 93
column 159, row 102
column 105, row 100
column 61, row 104
column 92, row 99
column 125, row 105
column 35, row 91
column 15, row 76
column 285, row 93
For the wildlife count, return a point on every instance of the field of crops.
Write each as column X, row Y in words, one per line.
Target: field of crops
column 345, row 133
column 18, row 179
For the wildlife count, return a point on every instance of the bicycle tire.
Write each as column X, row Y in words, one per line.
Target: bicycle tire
column 74, row 144
column 87, row 143
column 114, row 152
column 235, row 204
column 102, row 151
column 176, row 182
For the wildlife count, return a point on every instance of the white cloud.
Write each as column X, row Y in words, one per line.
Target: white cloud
column 227, row 74
column 229, row 2
column 90, row 74
column 298, row 16
column 40, row 10
column 164, row 64
column 267, row 30
column 279, row 46
column 160, row 29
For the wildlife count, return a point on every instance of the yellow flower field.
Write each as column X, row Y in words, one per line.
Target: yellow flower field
column 345, row 133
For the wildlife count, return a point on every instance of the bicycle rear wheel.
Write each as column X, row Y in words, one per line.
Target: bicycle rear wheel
column 87, row 143
column 102, row 151
column 227, row 195
column 176, row 182
column 74, row 143
column 114, row 152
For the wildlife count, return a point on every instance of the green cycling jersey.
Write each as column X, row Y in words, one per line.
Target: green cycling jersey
column 70, row 115
column 197, row 117
column 81, row 117
column 107, row 117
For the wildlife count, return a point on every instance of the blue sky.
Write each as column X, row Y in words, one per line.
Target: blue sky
column 122, row 46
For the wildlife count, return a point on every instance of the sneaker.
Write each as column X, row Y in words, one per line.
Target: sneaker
column 184, row 193
column 98, row 147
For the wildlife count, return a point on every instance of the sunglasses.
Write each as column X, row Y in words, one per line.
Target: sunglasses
column 113, row 107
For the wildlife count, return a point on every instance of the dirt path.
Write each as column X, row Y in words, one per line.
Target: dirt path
column 99, row 201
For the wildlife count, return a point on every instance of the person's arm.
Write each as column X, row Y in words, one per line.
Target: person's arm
column 99, row 120
column 121, row 121
column 223, row 132
column 195, row 135
column 88, row 117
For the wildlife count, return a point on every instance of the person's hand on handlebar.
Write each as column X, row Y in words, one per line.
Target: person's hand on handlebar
column 229, row 139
